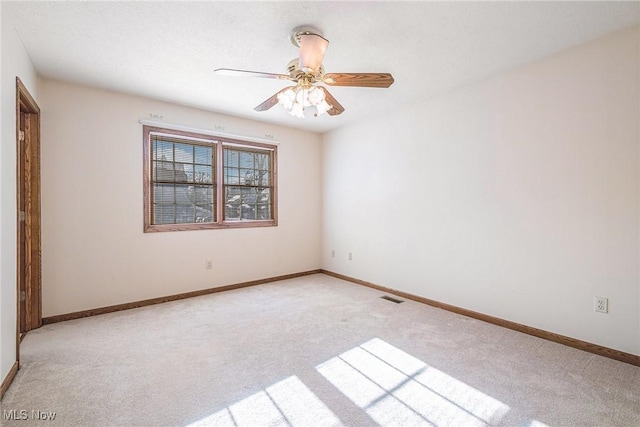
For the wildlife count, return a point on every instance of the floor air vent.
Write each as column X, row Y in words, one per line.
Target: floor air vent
column 392, row 299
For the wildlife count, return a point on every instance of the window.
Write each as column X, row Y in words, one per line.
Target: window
column 186, row 174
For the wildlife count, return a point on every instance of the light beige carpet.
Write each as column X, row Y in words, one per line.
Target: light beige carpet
column 304, row 352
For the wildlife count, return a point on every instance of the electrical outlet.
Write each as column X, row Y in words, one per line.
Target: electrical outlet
column 209, row 264
column 333, row 253
column 350, row 256
column 601, row 304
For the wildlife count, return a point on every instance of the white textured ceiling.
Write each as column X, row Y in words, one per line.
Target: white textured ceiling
column 168, row 50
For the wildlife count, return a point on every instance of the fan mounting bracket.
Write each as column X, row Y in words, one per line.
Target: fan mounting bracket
column 294, row 35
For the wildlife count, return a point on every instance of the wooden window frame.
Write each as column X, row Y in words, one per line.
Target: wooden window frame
column 219, row 144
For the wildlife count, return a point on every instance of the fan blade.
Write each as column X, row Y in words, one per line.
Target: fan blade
column 359, row 79
column 312, row 49
column 336, row 108
column 244, row 73
column 273, row 100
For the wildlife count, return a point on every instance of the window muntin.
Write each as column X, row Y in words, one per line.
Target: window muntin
column 187, row 173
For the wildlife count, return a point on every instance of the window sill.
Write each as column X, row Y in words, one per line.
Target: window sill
column 149, row 228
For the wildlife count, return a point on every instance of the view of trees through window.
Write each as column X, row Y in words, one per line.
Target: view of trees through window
column 183, row 187
column 246, row 185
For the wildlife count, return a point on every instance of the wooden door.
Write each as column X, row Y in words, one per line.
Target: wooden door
column 22, row 270
column 28, row 215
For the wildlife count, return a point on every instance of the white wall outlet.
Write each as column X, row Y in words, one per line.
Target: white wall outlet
column 209, row 264
column 333, row 253
column 601, row 304
column 350, row 256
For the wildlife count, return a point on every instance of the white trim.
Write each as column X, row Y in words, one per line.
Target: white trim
column 171, row 126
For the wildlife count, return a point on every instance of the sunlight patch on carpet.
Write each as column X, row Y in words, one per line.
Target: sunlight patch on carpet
column 288, row 403
column 393, row 387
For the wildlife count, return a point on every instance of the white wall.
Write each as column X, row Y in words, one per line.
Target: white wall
column 15, row 63
column 95, row 253
column 517, row 197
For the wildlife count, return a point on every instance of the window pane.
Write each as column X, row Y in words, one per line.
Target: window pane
column 185, row 213
column 162, row 150
column 203, row 194
column 249, row 195
column 262, row 161
column 203, row 155
column 264, row 211
column 232, row 204
column 184, row 194
column 163, row 171
column 231, row 176
column 232, row 194
column 163, row 214
column 163, row 193
column 203, row 174
column 231, row 157
column 262, row 178
column 247, row 177
column 204, row 213
column 264, row 195
column 167, row 196
column 246, row 160
column 188, row 169
column 184, row 173
column 248, row 210
column 183, row 153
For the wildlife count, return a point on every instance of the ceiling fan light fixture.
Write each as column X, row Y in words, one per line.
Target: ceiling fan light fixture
column 296, row 99
column 297, row 110
column 287, row 98
column 322, row 108
column 315, row 96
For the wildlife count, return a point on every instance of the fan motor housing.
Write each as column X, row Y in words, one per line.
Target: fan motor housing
column 295, row 73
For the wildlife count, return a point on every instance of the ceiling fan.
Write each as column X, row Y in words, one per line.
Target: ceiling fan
column 307, row 71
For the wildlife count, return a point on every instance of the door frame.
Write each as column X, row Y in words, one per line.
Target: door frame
column 29, row 258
